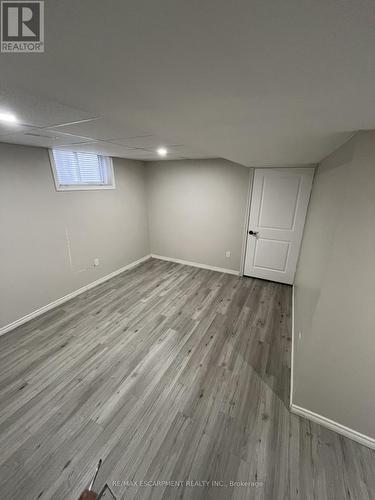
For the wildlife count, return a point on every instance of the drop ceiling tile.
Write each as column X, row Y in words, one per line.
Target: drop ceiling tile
column 102, row 129
column 116, row 150
column 141, row 154
column 153, row 156
column 188, row 152
column 41, row 138
column 31, row 110
column 12, row 128
column 146, row 142
column 150, row 143
column 101, row 147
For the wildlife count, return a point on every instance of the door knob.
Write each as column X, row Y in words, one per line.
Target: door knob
column 253, row 233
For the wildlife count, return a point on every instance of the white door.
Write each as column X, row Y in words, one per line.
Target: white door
column 280, row 197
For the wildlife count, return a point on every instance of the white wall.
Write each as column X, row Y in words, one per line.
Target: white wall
column 197, row 209
column 334, row 362
column 192, row 210
column 35, row 221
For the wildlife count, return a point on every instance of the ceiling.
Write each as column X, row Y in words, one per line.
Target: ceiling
column 259, row 83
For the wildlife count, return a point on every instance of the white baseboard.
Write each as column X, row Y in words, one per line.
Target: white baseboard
column 334, row 426
column 196, row 264
column 55, row 303
column 315, row 417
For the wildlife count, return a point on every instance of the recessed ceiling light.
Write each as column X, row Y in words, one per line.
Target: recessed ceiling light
column 162, row 151
column 8, row 117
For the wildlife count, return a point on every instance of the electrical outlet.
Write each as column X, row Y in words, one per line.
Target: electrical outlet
column 96, row 262
column 299, row 335
column 227, row 254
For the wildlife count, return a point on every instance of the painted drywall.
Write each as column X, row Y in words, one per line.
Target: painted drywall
column 334, row 362
column 196, row 210
column 41, row 227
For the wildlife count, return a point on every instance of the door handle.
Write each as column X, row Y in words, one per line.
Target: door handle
column 254, row 233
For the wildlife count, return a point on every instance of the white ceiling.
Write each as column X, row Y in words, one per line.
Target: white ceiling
column 253, row 81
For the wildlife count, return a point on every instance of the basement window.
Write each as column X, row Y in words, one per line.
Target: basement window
column 74, row 170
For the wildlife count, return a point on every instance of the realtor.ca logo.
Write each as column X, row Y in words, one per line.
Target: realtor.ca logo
column 22, row 26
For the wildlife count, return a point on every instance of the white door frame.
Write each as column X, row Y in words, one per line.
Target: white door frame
column 246, row 220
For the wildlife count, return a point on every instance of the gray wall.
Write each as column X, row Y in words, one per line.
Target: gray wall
column 334, row 369
column 196, row 210
column 34, row 219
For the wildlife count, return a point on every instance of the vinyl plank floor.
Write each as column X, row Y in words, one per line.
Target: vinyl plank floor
column 178, row 378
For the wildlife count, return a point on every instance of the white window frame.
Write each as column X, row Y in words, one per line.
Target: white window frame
column 82, row 187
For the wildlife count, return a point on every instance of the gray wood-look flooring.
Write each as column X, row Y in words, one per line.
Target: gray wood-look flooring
column 168, row 373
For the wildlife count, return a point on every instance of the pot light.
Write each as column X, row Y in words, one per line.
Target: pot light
column 7, row 117
column 162, row 151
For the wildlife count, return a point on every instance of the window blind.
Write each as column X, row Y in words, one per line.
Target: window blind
column 78, row 168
